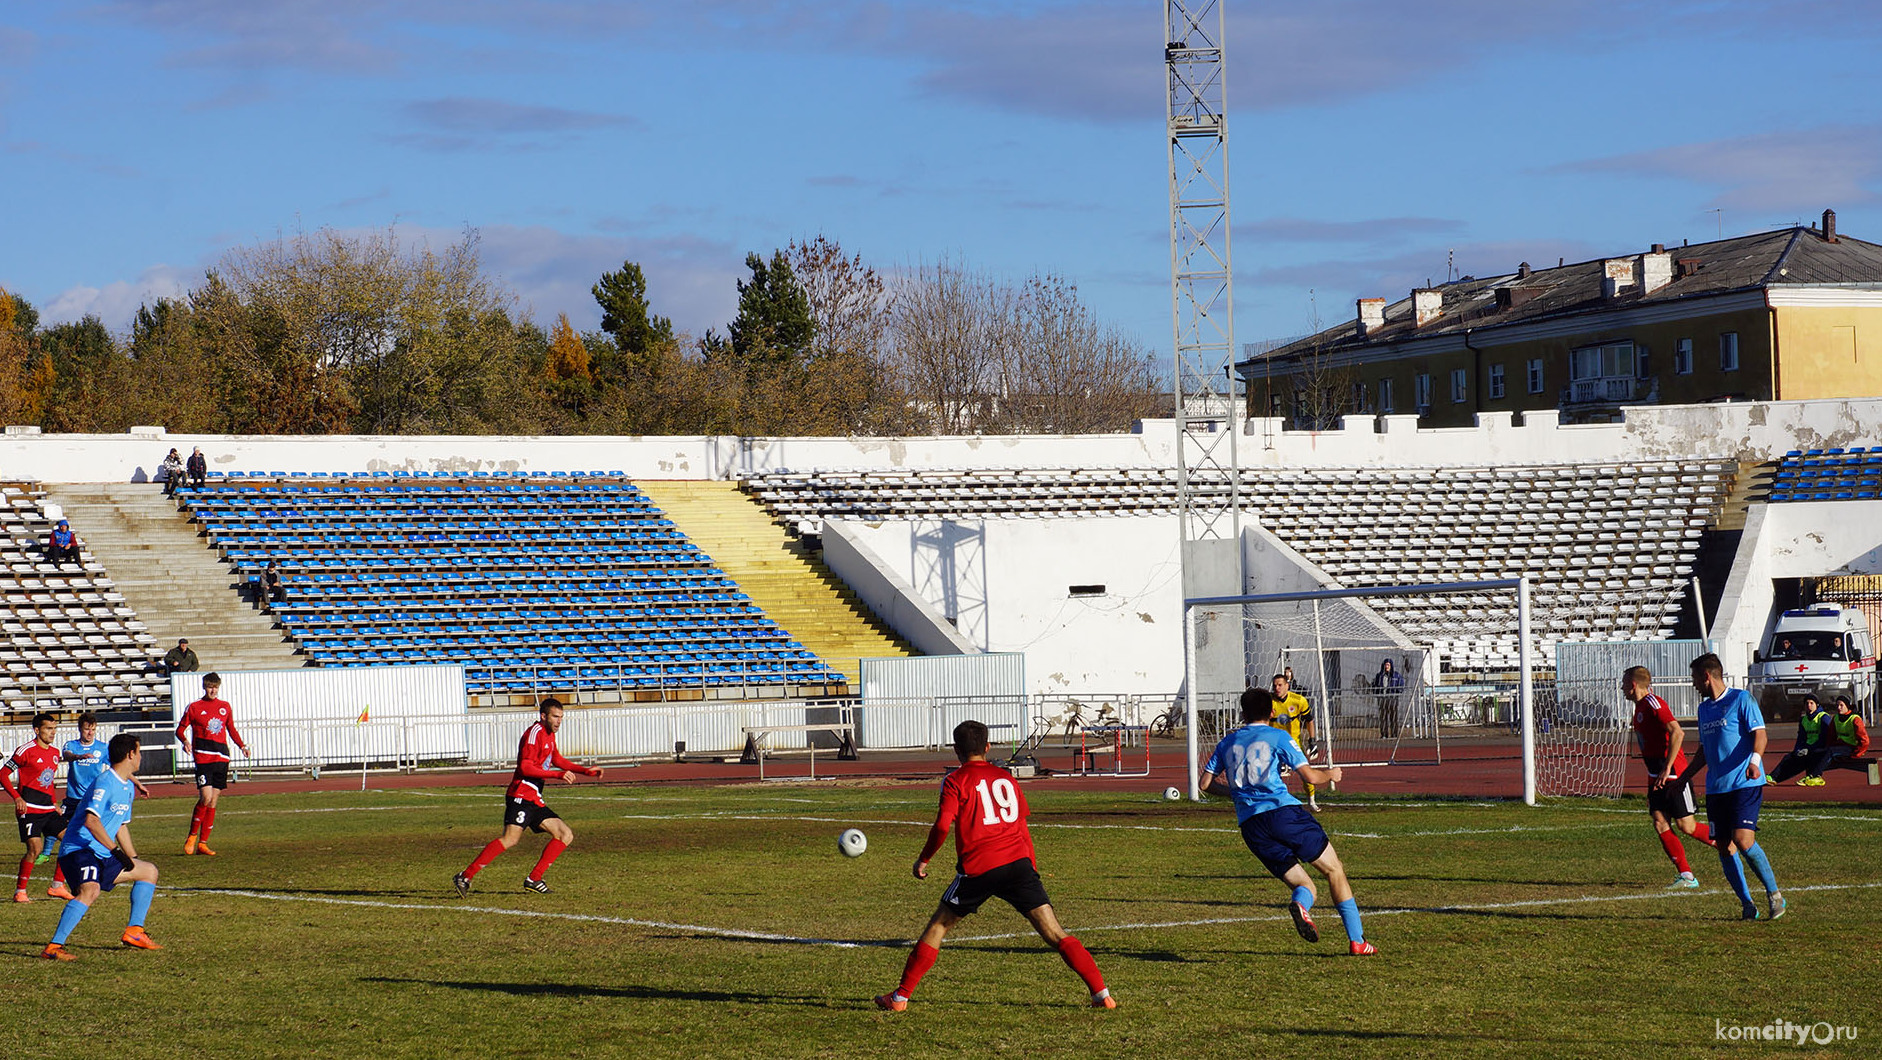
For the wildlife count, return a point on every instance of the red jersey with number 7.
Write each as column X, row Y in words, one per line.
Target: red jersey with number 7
column 989, row 808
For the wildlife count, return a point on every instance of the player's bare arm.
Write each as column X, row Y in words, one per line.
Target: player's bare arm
column 1755, row 768
column 1313, row 775
column 1675, row 736
column 921, row 869
column 1694, row 764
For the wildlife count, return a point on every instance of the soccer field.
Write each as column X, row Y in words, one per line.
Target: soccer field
column 722, row 922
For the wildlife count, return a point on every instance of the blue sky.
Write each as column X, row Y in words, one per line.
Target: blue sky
column 141, row 139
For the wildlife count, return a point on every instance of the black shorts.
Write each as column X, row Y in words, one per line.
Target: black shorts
column 83, row 866
column 212, row 775
column 1283, row 837
column 1673, row 799
column 525, row 814
column 1016, row 883
column 43, row 825
column 1730, row 811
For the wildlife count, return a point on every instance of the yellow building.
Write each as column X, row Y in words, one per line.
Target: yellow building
column 1790, row 314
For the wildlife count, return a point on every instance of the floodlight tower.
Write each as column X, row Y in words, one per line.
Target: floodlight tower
column 1202, row 298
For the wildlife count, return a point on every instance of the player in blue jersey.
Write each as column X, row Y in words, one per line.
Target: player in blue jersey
column 1731, row 748
column 1246, row 766
column 84, row 760
column 99, row 854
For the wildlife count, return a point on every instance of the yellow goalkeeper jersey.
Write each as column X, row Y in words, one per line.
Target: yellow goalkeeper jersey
column 1289, row 713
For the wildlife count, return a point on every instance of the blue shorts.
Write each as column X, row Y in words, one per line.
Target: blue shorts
column 1728, row 811
column 1283, row 837
column 83, row 866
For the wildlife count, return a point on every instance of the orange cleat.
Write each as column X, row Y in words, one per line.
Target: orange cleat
column 1106, row 1001
column 21, row 895
column 189, row 845
column 203, row 849
column 138, row 937
column 893, row 1002
column 59, row 890
column 56, row 952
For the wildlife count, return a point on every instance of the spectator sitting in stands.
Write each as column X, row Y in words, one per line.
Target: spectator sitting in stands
column 180, row 659
column 198, row 467
column 1852, row 736
column 172, row 473
column 273, row 589
column 62, row 544
column 1814, row 740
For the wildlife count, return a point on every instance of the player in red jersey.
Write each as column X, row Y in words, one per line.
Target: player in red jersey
column 537, row 761
column 206, row 730
column 1669, row 802
column 36, row 801
column 996, row 860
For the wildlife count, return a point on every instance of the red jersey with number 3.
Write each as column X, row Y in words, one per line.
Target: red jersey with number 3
column 1653, row 725
column 986, row 804
column 537, row 761
column 211, row 726
column 36, row 766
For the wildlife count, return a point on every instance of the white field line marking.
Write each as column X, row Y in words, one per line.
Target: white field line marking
column 766, row 936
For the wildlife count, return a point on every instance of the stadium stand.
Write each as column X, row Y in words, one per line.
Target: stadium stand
column 573, row 583
column 1610, row 548
column 68, row 640
column 1853, row 474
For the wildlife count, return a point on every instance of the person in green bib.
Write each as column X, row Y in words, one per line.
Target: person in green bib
column 1815, row 734
column 1851, row 735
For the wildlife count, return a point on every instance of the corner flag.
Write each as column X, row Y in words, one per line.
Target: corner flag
column 364, row 715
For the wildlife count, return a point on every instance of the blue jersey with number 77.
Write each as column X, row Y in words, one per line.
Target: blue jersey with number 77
column 1249, row 761
column 110, row 799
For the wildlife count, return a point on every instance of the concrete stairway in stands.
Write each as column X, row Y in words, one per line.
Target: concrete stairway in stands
column 178, row 585
column 780, row 574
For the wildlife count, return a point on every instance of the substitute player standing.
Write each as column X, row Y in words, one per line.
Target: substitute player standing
column 35, row 801
column 99, row 853
column 1668, row 801
column 1294, row 715
column 537, row 760
column 1731, row 748
column 206, row 730
column 1246, row 765
column 996, row 860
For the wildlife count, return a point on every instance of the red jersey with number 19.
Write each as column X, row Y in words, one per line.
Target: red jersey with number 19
column 991, row 811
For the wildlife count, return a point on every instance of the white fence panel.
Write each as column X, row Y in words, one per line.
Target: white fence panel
column 303, row 718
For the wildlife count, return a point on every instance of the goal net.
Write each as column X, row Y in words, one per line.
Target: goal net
column 1431, row 674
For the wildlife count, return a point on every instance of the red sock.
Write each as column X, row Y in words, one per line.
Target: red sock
column 919, row 962
column 1703, row 833
column 26, row 871
column 209, row 821
column 196, row 820
column 58, row 873
column 485, row 857
column 1078, row 958
column 549, row 854
column 1670, row 840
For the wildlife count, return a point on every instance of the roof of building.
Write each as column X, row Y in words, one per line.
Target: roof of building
column 1786, row 256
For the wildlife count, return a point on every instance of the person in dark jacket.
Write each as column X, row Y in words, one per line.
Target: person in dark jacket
column 198, row 467
column 1389, row 686
column 62, row 544
column 180, row 659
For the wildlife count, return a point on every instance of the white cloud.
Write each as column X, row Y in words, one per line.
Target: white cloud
column 117, row 302
column 1793, row 169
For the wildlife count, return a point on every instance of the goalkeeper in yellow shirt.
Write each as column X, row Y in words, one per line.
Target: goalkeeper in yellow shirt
column 1293, row 715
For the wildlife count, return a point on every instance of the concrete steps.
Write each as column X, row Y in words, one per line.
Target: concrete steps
column 780, row 574
column 165, row 570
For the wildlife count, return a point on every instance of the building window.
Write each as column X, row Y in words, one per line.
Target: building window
column 1535, row 375
column 1496, row 381
column 1460, row 386
column 1682, row 357
column 1385, row 395
column 1360, row 397
column 1274, row 405
column 1599, row 374
column 1728, row 352
column 1421, row 392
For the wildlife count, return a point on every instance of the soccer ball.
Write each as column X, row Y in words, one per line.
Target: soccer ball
column 1172, row 794
column 852, row 843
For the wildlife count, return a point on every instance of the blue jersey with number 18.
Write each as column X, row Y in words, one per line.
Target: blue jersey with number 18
column 1249, row 760
column 110, row 799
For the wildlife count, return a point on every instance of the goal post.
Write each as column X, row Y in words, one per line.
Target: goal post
column 1434, row 636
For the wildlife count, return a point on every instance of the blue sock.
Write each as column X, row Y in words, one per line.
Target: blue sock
column 1762, row 865
column 1734, row 872
column 1349, row 915
column 75, row 911
column 141, row 893
column 1304, row 895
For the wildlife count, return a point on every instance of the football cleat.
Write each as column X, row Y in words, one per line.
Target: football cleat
column 56, row 952
column 1302, row 922
column 894, row 1002
column 1750, row 912
column 530, row 883
column 1362, row 949
column 137, row 937
column 1104, row 1000
column 1684, row 881
column 21, row 895
column 1815, row 782
column 1778, row 905
column 462, row 883
column 202, row 847
column 59, row 890
column 189, row 845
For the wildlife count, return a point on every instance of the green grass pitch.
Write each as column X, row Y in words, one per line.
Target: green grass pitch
column 1504, row 930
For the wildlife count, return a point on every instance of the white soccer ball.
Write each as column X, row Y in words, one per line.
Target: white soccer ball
column 1172, row 794
column 852, row 843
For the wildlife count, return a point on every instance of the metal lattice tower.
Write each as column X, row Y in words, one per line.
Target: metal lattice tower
column 1202, row 302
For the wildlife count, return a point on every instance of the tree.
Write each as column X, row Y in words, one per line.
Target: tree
column 568, row 357
column 947, row 328
column 622, row 296
column 773, row 322
column 25, row 372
